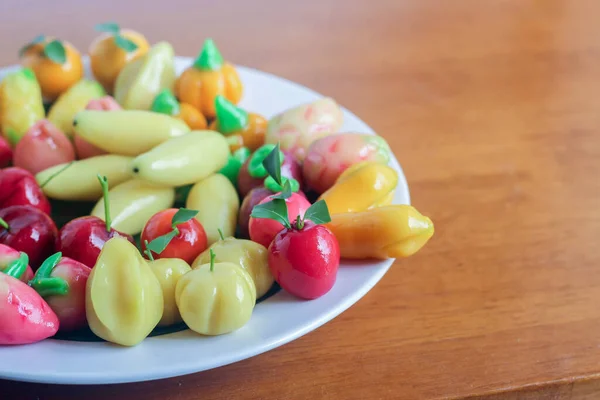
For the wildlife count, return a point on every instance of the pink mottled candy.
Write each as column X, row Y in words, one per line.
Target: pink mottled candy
column 296, row 128
column 328, row 157
column 43, row 146
column 7, row 255
column 83, row 148
column 24, row 316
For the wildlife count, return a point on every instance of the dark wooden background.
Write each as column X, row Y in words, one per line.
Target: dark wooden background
column 493, row 109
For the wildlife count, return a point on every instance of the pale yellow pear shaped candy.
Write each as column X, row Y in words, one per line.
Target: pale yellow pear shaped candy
column 216, row 301
column 127, row 132
column 251, row 256
column 142, row 79
column 123, row 299
column 79, row 180
column 183, row 160
column 217, row 203
column 168, row 271
column 132, row 203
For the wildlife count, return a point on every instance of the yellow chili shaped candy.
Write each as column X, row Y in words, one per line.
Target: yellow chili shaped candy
column 20, row 104
column 360, row 187
column 166, row 103
column 124, row 300
column 216, row 298
column 208, row 77
column 168, row 271
column 251, row 256
column 384, row 232
column 242, row 129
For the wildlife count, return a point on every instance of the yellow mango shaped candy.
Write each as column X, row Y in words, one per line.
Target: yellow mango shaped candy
column 360, row 187
column 132, row 203
column 384, row 232
column 168, row 271
column 123, row 299
column 216, row 298
column 78, row 181
column 183, row 160
column 21, row 104
column 142, row 79
column 251, row 256
column 217, row 203
column 127, row 132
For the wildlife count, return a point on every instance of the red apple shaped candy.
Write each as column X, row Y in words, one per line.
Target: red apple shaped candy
column 42, row 147
column 24, row 316
column 61, row 282
column 27, row 229
column 18, row 187
column 304, row 257
column 6, row 153
column 252, row 175
column 174, row 233
column 9, row 257
column 83, row 148
column 253, row 197
column 82, row 239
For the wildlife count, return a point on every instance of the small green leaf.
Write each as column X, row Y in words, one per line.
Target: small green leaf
column 36, row 40
column 183, row 215
column 318, row 213
column 285, row 193
column 275, row 210
column 159, row 244
column 125, row 44
column 272, row 164
column 56, row 52
column 275, row 187
column 110, row 27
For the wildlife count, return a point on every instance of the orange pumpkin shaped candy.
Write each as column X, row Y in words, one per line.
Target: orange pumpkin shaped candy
column 242, row 129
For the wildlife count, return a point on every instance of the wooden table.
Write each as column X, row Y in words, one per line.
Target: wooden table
column 493, row 109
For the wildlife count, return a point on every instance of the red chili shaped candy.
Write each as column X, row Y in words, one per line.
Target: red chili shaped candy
column 61, row 282
column 24, row 316
column 18, row 187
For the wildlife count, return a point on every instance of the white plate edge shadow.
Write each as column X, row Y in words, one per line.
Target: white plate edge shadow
column 66, row 362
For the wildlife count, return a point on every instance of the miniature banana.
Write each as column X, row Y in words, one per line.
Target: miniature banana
column 78, row 180
column 183, row 160
column 217, row 203
column 132, row 203
column 127, row 132
column 141, row 80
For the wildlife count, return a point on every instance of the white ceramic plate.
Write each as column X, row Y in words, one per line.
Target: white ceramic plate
column 278, row 320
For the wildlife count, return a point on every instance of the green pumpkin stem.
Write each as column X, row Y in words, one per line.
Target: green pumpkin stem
column 230, row 118
column 166, row 103
column 210, row 58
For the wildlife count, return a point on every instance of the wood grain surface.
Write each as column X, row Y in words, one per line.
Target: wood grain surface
column 493, row 109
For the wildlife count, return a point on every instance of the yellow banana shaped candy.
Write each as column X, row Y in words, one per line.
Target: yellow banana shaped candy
column 251, row 256
column 21, row 104
column 123, row 299
column 217, row 203
column 168, row 271
column 132, row 203
column 127, row 132
column 216, row 298
column 183, row 160
column 78, row 181
column 142, row 79
column 71, row 102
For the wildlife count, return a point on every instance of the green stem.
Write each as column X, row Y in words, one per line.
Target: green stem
column 148, row 252
column 221, row 234
column 210, row 59
column 212, row 260
column 165, row 103
column 4, row 224
column 47, row 285
column 299, row 223
column 17, row 268
column 54, row 175
column 104, row 183
column 230, row 118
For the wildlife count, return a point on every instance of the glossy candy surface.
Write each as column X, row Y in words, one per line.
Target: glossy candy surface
column 18, row 187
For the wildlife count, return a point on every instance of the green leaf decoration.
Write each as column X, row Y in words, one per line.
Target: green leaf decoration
column 285, row 192
column 275, row 210
column 110, row 27
column 125, row 43
column 183, row 215
column 56, row 52
column 36, row 40
column 318, row 213
column 159, row 244
column 272, row 164
column 273, row 186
